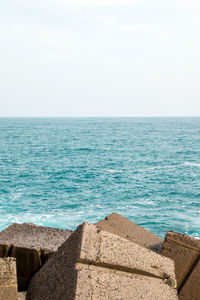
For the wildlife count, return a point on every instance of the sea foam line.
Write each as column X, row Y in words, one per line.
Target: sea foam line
column 192, row 164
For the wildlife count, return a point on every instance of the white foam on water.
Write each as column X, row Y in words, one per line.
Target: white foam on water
column 162, row 167
column 114, row 171
column 15, row 195
column 155, row 168
column 192, row 164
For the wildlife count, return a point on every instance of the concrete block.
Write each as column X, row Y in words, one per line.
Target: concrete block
column 127, row 229
column 8, row 279
column 94, row 264
column 28, row 263
column 185, row 251
column 31, row 245
column 46, row 254
column 4, row 250
column 191, row 288
column 22, row 296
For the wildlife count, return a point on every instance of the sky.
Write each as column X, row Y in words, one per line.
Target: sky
column 73, row 58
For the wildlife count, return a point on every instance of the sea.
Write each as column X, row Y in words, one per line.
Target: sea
column 61, row 172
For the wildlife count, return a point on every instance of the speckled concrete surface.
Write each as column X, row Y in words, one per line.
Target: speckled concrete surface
column 185, row 251
column 22, row 296
column 105, row 248
column 31, row 245
column 32, row 236
column 127, row 229
column 8, row 279
column 191, row 289
column 94, row 264
column 100, row 283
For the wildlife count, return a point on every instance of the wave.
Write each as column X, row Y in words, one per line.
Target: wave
column 155, row 168
column 114, row 171
column 192, row 164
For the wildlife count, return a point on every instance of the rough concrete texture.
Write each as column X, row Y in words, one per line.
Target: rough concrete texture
column 22, row 296
column 32, row 236
column 94, row 264
column 8, row 279
column 127, row 229
column 191, row 289
column 185, row 251
column 113, row 284
column 31, row 245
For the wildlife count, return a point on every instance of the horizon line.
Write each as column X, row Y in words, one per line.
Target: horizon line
column 141, row 116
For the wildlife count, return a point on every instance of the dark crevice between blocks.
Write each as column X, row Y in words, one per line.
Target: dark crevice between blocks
column 9, row 254
column 42, row 257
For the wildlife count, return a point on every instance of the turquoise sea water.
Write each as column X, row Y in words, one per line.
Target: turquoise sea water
column 61, row 172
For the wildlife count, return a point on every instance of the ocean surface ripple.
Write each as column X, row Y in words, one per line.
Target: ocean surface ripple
column 61, row 172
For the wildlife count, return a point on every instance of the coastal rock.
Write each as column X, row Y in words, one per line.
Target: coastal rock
column 127, row 229
column 31, row 245
column 94, row 264
column 185, row 251
column 8, row 279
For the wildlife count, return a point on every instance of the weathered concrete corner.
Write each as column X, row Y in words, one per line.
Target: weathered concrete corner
column 8, row 279
column 185, row 251
column 94, row 264
column 32, row 246
column 22, row 296
column 127, row 229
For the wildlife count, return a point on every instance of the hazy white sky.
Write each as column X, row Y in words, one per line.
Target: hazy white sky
column 99, row 57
